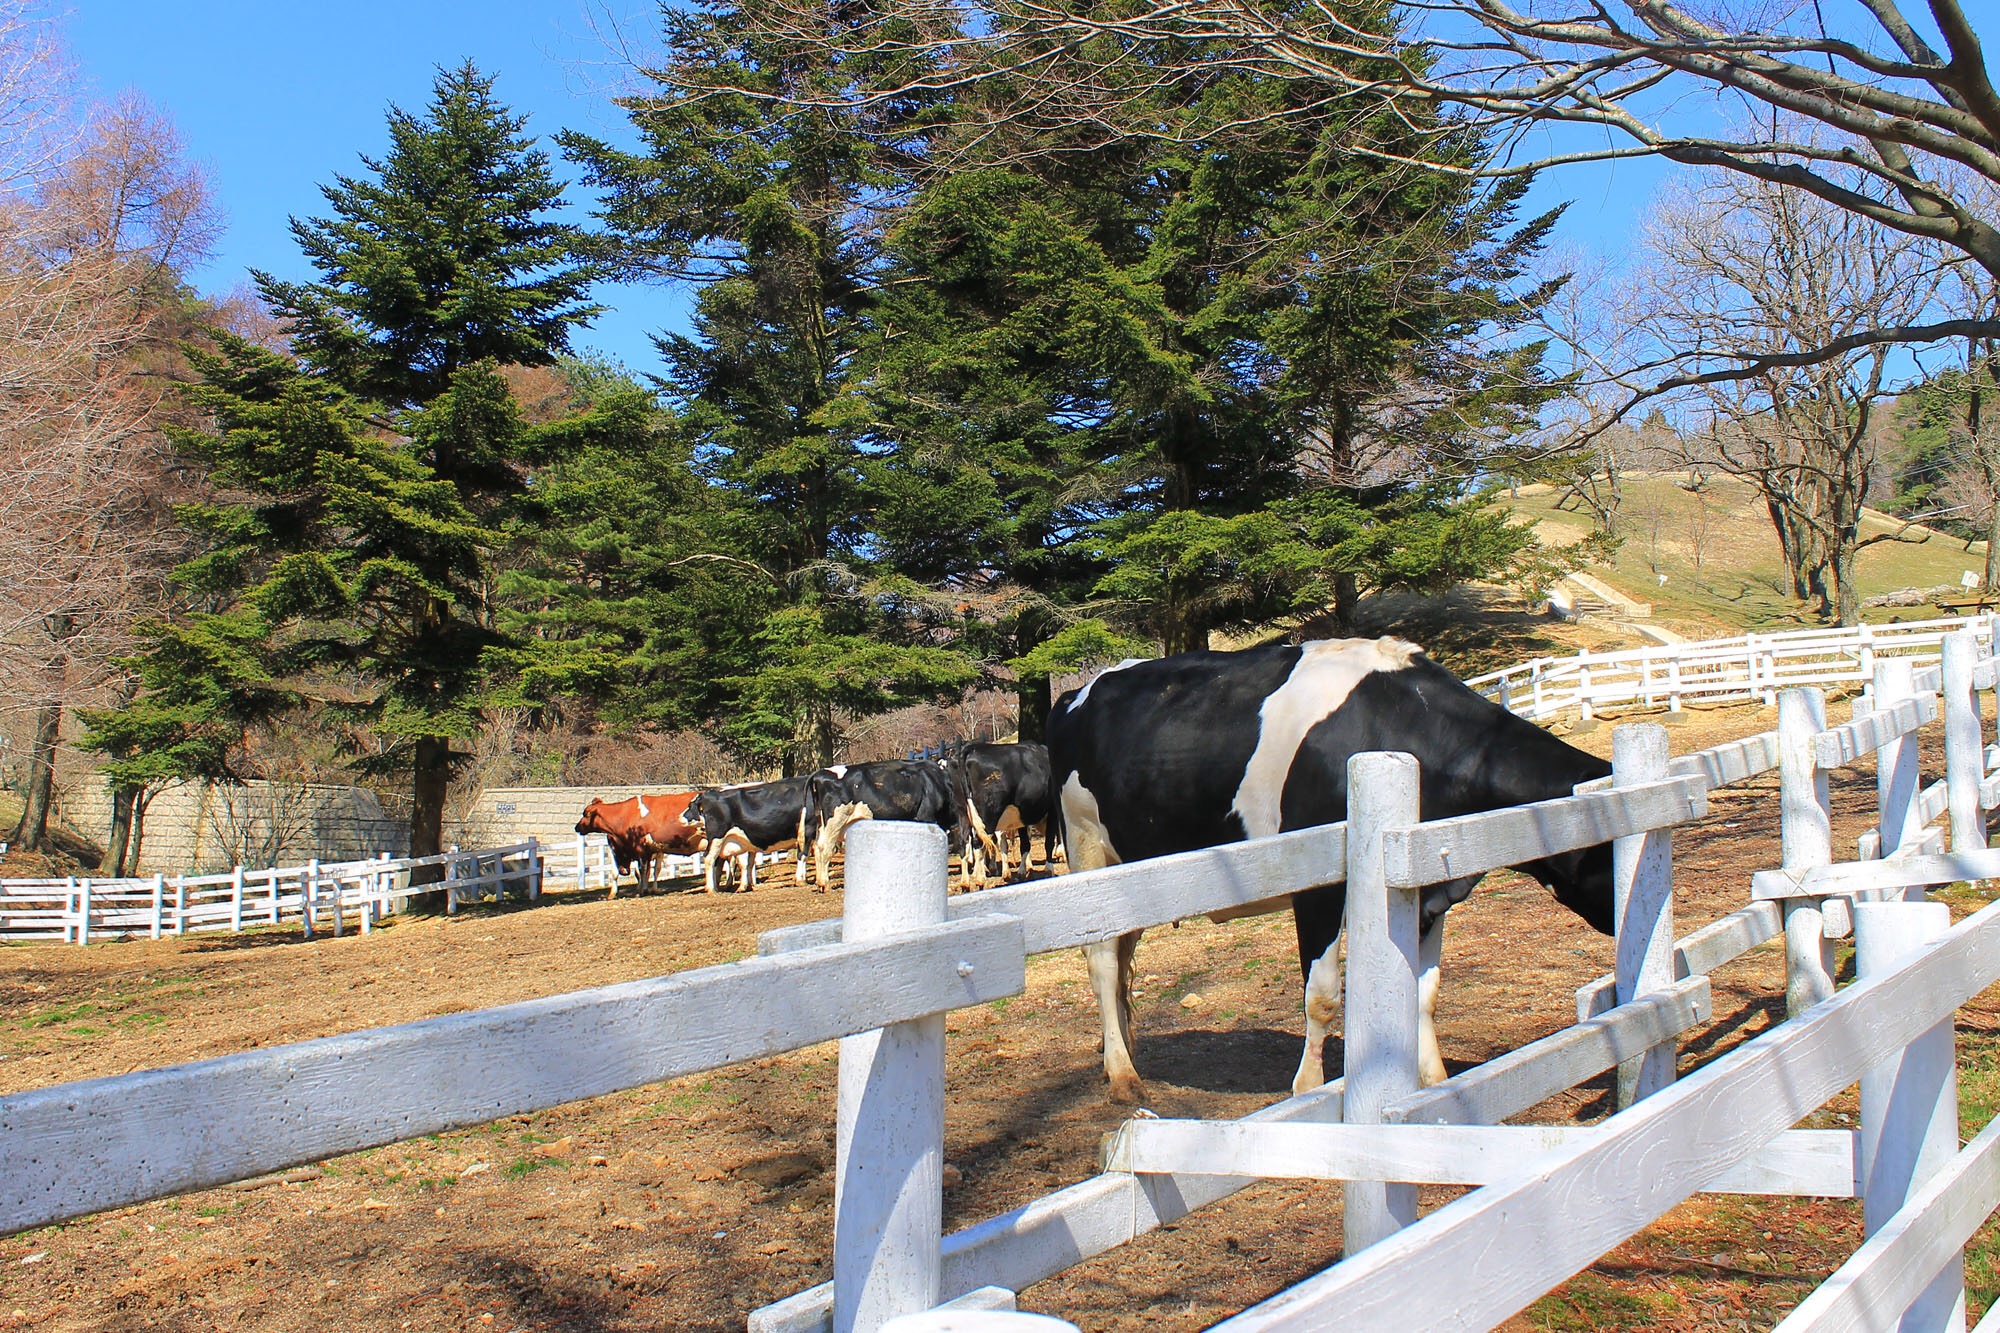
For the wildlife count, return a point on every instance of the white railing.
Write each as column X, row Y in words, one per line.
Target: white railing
column 1748, row 666
column 318, row 895
column 588, row 863
column 1551, row 1199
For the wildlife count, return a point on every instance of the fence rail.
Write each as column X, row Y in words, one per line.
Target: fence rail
column 588, row 863
column 1709, row 671
column 1548, row 1202
column 319, row 895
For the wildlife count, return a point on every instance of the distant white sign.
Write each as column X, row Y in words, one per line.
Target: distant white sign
column 1969, row 579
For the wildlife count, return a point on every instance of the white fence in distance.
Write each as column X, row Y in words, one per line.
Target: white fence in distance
column 906, row 954
column 588, row 863
column 1711, row 671
column 318, row 895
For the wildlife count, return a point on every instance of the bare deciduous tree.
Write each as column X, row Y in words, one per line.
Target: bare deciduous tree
column 1749, row 270
column 89, row 260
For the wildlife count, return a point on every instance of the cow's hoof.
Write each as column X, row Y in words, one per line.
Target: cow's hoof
column 1128, row 1091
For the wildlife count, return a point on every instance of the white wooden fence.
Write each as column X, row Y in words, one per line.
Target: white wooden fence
column 1551, row 1199
column 589, row 864
column 1750, row 666
column 319, row 895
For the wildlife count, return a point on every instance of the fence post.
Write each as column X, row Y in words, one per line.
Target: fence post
column 534, row 869
column 1964, row 742
column 1909, row 1104
column 1643, row 893
column 1895, row 764
column 83, row 912
column 308, row 896
column 582, row 863
column 180, row 905
column 1583, row 683
column 888, row 1202
column 159, row 904
column 450, row 888
column 1382, row 970
column 1674, row 681
column 1867, row 655
column 271, row 883
column 236, row 899
column 1807, row 828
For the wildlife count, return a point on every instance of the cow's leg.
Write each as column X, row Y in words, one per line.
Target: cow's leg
column 1027, row 853
column 829, row 837
column 1316, row 916
column 747, row 881
column 979, row 844
column 710, row 865
column 1430, row 950
column 1110, row 964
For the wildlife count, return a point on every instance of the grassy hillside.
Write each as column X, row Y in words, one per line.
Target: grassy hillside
column 1721, row 560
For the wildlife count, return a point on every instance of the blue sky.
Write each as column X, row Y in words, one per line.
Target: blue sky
column 275, row 96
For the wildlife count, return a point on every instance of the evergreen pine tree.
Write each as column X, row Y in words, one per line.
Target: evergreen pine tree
column 439, row 267
column 771, row 211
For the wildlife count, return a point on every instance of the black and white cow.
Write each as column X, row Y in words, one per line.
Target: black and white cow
column 885, row 789
column 1202, row 748
column 740, row 822
column 1002, row 790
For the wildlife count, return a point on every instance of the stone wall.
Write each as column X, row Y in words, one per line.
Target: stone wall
column 196, row 827
column 502, row 815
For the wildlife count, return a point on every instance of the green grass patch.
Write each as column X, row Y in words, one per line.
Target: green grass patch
column 521, row 1166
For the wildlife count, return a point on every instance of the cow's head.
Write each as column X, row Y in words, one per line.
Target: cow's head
column 1581, row 881
column 704, row 813
column 591, row 822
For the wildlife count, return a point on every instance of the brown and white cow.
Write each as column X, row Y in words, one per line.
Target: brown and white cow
column 641, row 828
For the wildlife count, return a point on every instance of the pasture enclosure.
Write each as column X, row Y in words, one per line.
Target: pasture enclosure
column 318, row 895
column 80, row 1147
column 1710, row 671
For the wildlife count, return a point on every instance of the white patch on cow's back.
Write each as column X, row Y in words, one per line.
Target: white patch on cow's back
column 1084, row 833
column 644, row 813
column 1326, row 673
column 838, row 770
column 1084, row 693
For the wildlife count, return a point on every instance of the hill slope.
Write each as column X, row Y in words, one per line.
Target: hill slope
column 1721, row 559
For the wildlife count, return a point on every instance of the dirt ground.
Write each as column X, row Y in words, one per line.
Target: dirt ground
column 685, row 1205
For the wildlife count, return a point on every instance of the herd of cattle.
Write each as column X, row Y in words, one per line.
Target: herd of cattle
column 979, row 796
column 1172, row 755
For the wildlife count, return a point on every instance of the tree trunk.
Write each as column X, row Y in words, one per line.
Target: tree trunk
column 1347, row 603
column 33, row 830
column 1183, row 637
column 1993, row 546
column 1821, row 591
column 1846, row 594
column 430, row 781
column 823, row 737
column 1033, row 705
column 119, row 849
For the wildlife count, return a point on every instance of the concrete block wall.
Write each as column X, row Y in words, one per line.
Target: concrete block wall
column 502, row 815
column 200, row 826
column 195, row 827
